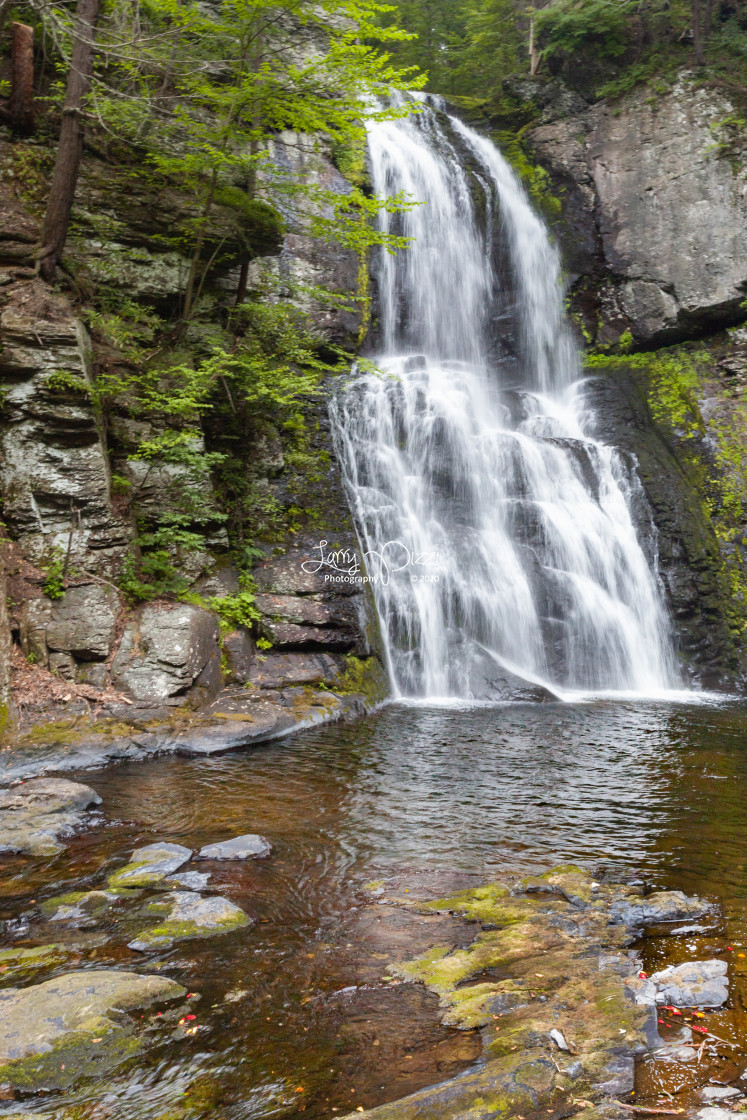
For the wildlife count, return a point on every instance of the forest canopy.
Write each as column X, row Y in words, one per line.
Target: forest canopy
column 602, row 47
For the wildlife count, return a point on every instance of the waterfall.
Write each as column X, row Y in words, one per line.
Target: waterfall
column 498, row 533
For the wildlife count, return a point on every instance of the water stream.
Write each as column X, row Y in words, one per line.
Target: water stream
column 501, row 537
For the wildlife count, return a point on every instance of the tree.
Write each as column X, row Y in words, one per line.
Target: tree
column 21, row 101
column 70, row 146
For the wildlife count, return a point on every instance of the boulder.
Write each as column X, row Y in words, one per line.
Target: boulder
column 78, row 907
column 189, row 915
column 55, row 1032
column 34, row 816
column 241, row 847
column 151, row 866
column 695, row 984
column 83, row 622
column 163, row 650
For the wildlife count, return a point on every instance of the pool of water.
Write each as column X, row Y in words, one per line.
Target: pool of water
column 436, row 796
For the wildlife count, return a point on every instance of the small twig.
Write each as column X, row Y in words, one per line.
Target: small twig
column 649, row 1111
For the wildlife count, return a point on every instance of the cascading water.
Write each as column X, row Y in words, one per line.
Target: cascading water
column 497, row 532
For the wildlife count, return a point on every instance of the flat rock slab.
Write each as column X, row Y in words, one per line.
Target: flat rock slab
column 241, row 847
column 188, row 915
column 21, row 963
column 54, row 1024
column 151, row 866
column 34, row 816
column 695, row 984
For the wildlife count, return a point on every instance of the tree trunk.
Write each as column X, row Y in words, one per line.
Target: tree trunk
column 70, row 148
column 697, row 34
column 21, row 101
column 5, row 653
column 533, row 56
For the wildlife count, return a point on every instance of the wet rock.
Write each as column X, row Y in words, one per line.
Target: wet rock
column 695, row 984
column 718, row 1092
column 151, row 866
column 53, row 1033
column 662, row 907
column 241, row 847
column 19, row 964
column 191, row 880
column 188, row 915
column 79, row 906
column 163, row 650
column 34, row 816
column 714, row 1113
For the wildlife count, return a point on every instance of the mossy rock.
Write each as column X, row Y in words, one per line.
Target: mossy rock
column 56, row 1033
column 18, row 964
column 188, row 915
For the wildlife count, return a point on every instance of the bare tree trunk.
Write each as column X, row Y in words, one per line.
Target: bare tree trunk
column 21, row 102
column 708, row 20
column 70, row 148
column 5, row 652
column 533, row 56
column 697, row 34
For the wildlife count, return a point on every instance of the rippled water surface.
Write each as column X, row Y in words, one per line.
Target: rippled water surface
column 439, row 797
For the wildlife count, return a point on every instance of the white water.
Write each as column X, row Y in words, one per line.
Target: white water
column 517, row 550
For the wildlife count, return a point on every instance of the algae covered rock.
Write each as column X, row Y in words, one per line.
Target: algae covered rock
column 19, row 964
column 188, row 915
column 78, row 905
column 34, row 816
column 151, row 866
column 240, row 847
column 52, row 1034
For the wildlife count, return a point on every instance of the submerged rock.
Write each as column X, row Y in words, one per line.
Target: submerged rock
column 53, row 1033
column 241, row 847
column 695, row 984
column 79, row 905
column 189, row 915
column 34, row 816
column 19, row 964
column 151, row 866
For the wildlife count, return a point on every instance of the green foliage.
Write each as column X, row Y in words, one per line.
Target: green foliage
column 64, row 382
column 535, row 179
column 237, row 610
column 263, row 644
column 54, row 583
column 596, row 26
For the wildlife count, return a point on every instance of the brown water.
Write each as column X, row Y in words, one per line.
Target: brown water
column 435, row 797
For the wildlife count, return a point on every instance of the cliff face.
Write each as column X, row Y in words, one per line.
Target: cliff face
column 77, row 497
column 653, row 225
column 660, row 184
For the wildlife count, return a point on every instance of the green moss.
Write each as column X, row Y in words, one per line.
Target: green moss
column 536, row 179
column 16, row 964
column 363, row 676
column 74, row 1059
column 483, row 904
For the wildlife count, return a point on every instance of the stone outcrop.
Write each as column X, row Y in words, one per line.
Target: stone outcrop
column 654, row 193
